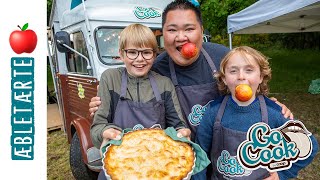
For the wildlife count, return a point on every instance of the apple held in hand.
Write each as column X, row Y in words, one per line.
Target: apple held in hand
column 243, row 92
column 23, row 40
column 189, row 50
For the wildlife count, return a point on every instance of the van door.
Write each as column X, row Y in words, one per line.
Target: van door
column 78, row 86
column 54, row 67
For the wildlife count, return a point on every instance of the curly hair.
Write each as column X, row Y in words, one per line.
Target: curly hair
column 244, row 51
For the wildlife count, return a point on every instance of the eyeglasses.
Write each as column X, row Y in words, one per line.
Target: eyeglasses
column 133, row 54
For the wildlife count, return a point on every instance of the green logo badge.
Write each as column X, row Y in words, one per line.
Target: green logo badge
column 80, row 91
column 146, row 13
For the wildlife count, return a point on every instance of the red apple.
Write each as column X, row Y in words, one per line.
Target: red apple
column 189, row 50
column 23, row 40
column 243, row 92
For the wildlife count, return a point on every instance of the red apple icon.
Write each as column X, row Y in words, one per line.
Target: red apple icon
column 23, row 40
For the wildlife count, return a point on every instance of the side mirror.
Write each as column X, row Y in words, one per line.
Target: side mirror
column 206, row 36
column 62, row 38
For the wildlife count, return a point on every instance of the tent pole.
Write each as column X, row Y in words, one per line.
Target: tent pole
column 230, row 41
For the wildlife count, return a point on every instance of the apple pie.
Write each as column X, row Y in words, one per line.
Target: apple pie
column 149, row 154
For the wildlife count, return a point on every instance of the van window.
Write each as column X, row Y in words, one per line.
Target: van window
column 76, row 63
column 108, row 44
column 159, row 37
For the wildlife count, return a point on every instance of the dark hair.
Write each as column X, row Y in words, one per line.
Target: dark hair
column 183, row 5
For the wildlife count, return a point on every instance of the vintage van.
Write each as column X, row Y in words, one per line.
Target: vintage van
column 84, row 40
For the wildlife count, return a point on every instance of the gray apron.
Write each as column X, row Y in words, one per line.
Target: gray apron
column 194, row 95
column 228, row 139
column 138, row 115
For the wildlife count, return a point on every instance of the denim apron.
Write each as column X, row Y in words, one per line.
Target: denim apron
column 229, row 140
column 194, row 97
column 138, row 115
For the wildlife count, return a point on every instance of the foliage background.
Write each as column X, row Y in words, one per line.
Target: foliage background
column 215, row 13
column 49, row 6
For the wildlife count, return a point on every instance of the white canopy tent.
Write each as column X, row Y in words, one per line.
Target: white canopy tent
column 276, row 16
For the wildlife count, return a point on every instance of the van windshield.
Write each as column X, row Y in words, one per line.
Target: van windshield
column 108, row 44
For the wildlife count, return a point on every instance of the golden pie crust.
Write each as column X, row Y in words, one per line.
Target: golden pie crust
column 149, row 154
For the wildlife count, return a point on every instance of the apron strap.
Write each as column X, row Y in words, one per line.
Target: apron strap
column 124, row 83
column 173, row 72
column 263, row 108
column 209, row 60
column 221, row 109
column 154, row 87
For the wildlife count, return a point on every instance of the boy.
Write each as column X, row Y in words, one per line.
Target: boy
column 135, row 97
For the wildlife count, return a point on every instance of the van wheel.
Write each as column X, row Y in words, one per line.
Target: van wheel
column 79, row 169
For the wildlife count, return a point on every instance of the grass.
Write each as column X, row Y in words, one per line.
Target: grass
column 292, row 72
column 58, row 166
column 306, row 108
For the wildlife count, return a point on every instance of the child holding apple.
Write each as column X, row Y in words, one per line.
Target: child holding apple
column 243, row 77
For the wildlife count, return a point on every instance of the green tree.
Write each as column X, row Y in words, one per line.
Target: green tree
column 215, row 13
column 49, row 6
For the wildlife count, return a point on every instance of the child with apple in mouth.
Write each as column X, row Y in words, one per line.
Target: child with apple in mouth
column 227, row 119
column 134, row 96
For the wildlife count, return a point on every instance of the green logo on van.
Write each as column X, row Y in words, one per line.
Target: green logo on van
column 146, row 13
column 80, row 91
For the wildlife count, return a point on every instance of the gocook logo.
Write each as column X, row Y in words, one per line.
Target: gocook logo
column 138, row 127
column 196, row 114
column 146, row 13
column 228, row 165
column 275, row 149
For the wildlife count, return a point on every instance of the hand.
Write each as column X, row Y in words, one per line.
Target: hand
column 94, row 105
column 273, row 176
column 107, row 135
column 111, row 134
column 184, row 132
column 285, row 111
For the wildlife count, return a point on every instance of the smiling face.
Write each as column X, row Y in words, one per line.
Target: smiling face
column 181, row 27
column 137, row 48
column 140, row 66
column 242, row 69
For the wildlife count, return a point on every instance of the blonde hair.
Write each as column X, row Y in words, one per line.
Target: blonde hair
column 244, row 51
column 138, row 35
